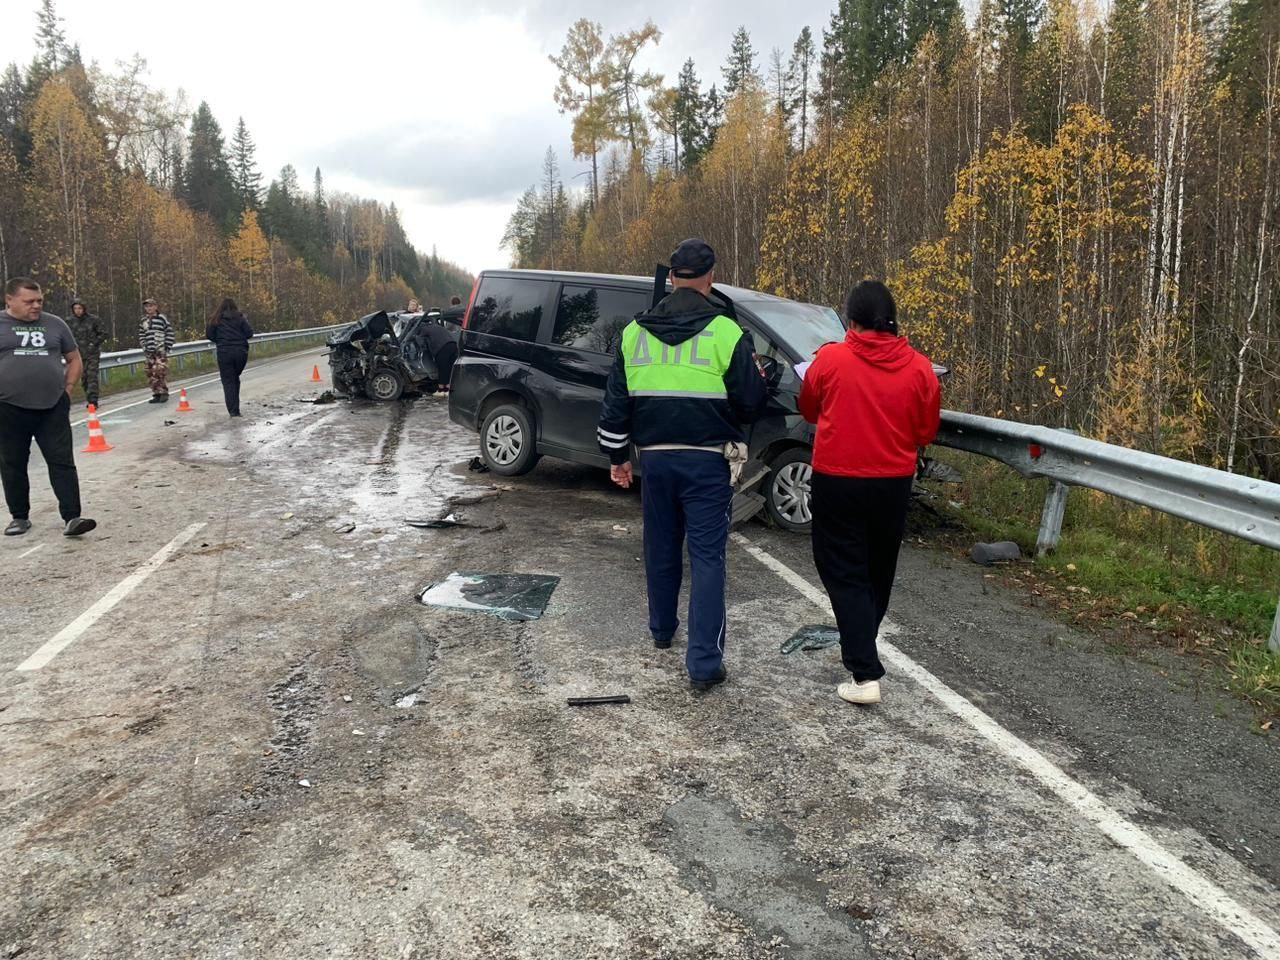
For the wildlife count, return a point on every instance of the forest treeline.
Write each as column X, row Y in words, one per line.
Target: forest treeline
column 113, row 191
column 1078, row 212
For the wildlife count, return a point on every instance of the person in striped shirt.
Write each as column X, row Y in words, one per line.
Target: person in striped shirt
column 156, row 336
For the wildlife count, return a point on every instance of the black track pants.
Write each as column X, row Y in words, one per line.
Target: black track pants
column 858, row 524
column 51, row 430
column 230, row 366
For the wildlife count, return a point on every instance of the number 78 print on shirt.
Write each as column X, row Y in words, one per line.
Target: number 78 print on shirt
column 34, row 341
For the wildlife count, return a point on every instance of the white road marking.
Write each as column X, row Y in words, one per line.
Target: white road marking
column 191, row 386
column 27, row 553
column 68, row 634
column 1199, row 889
column 138, row 403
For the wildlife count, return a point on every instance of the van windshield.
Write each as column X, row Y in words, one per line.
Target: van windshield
column 801, row 327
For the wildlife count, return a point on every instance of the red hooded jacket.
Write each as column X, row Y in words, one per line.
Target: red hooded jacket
column 875, row 401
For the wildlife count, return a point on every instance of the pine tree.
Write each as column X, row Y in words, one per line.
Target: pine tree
column 318, row 232
column 279, row 209
column 691, row 132
column 925, row 16
column 712, row 118
column 1242, row 62
column 519, row 235
column 740, row 67
column 207, row 181
column 553, row 211
column 244, row 171
column 14, row 110
column 781, row 82
column 1019, row 20
column 51, row 39
column 803, row 56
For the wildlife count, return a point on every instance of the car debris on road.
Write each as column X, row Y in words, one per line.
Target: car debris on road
column 515, row 597
column 598, row 701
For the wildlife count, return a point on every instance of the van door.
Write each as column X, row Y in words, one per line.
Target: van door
column 578, row 356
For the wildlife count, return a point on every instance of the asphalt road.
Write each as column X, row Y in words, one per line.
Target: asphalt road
column 246, row 619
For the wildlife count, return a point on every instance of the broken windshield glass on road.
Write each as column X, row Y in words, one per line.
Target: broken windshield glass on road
column 508, row 596
column 811, row 638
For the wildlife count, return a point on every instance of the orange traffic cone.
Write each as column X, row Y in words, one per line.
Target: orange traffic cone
column 97, row 442
column 315, row 374
column 183, row 406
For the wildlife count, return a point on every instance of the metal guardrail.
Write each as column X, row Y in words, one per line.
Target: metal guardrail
column 129, row 358
column 1240, row 506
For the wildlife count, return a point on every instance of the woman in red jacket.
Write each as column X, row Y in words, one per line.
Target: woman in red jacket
column 876, row 402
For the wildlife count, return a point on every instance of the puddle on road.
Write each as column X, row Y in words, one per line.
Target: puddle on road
column 508, row 596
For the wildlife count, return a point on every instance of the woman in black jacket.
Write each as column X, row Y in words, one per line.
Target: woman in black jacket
column 230, row 333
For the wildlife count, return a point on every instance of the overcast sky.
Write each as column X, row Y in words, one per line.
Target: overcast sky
column 440, row 106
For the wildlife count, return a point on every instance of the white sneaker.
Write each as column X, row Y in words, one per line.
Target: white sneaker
column 868, row 691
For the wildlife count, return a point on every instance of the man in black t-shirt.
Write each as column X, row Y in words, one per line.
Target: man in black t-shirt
column 39, row 364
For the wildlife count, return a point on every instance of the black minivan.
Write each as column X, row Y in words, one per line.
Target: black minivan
column 537, row 347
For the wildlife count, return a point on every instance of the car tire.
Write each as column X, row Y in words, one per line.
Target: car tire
column 787, row 496
column 385, row 385
column 508, row 441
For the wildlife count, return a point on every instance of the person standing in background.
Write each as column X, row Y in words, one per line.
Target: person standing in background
column 87, row 329
column 156, row 337
column 876, row 402
column 230, row 334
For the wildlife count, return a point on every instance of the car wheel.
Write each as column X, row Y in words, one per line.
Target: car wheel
column 507, row 440
column 385, row 385
column 787, row 497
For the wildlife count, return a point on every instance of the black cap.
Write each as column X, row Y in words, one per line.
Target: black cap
column 692, row 259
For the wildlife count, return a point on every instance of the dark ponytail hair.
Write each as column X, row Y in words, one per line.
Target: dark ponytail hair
column 870, row 305
column 226, row 308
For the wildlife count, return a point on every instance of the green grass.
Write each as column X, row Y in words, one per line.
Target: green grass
column 1121, row 564
column 122, row 380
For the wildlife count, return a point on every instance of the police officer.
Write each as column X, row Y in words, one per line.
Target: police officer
column 683, row 383
column 87, row 329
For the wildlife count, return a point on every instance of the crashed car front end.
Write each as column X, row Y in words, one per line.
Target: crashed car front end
column 356, row 352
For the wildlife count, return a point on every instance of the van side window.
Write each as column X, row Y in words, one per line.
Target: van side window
column 593, row 318
column 507, row 307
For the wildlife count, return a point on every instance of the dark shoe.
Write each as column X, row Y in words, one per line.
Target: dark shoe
column 156, row 398
column 93, row 402
column 79, row 526
column 721, row 676
column 17, row 528
column 662, row 643
column 164, row 398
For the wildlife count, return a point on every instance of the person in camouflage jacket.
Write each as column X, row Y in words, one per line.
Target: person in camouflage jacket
column 90, row 337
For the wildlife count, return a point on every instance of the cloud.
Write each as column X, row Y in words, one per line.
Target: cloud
column 441, row 106
column 448, row 166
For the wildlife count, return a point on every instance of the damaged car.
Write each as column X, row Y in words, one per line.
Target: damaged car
column 383, row 356
column 537, row 348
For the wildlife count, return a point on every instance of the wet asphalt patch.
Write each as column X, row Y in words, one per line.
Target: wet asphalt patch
column 748, row 868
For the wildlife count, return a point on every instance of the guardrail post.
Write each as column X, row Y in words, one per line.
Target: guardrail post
column 1055, row 505
column 1274, row 643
